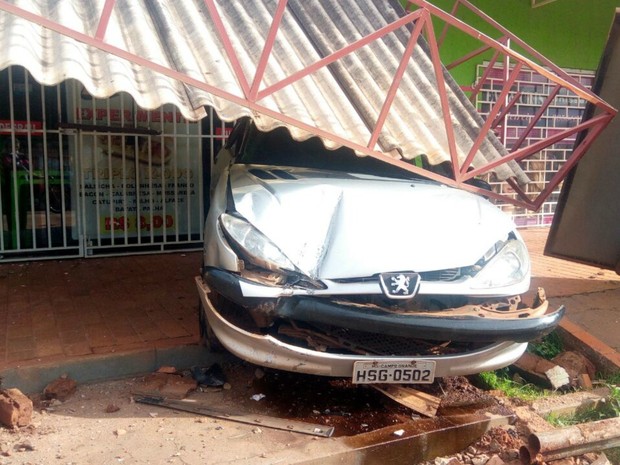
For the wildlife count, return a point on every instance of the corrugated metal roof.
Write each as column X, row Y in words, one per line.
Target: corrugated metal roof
column 343, row 99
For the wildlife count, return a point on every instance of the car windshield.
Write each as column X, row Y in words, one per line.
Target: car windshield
column 278, row 148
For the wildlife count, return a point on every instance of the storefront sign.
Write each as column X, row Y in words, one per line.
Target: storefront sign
column 140, row 172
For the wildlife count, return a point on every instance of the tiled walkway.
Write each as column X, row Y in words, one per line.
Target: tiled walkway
column 51, row 310
column 68, row 308
column 591, row 295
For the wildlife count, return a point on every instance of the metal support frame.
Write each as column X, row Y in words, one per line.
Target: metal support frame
column 420, row 15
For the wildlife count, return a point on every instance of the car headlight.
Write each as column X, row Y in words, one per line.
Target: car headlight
column 253, row 245
column 509, row 266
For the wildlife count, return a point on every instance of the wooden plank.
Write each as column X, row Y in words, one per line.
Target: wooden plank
column 419, row 401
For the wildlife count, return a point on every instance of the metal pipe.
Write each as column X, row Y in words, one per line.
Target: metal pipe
column 571, row 441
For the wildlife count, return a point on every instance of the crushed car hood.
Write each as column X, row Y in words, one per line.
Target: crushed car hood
column 328, row 223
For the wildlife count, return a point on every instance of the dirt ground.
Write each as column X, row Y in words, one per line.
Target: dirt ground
column 103, row 424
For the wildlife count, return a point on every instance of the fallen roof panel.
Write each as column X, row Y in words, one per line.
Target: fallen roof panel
column 359, row 74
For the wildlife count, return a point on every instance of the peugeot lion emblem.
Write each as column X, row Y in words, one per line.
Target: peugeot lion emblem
column 400, row 285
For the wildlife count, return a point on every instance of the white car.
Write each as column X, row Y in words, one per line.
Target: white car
column 324, row 262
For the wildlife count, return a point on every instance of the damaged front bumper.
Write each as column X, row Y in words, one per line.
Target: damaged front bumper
column 466, row 324
column 268, row 351
column 482, row 323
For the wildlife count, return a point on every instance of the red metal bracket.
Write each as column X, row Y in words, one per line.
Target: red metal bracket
column 253, row 91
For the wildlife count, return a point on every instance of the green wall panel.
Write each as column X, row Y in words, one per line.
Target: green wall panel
column 571, row 33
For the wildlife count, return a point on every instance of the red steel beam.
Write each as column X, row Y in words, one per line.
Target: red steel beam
column 485, row 74
column 443, row 96
column 444, row 31
column 521, row 193
column 482, row 135
column 589, row 95
column 560, row 74
column 541, row 111
column 506, row 109
column 536, row 147
column 228, row 48
column 413, row 40
column 469, row 56
column 251, row 94
column 264, row 58
column 572, row 161
column 411, row 17
column 105, row 19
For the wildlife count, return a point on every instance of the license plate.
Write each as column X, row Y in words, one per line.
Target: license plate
column 405, row 372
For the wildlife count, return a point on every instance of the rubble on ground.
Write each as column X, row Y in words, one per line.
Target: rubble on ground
column 336, row 403
column 15, row 408
column 61, row 388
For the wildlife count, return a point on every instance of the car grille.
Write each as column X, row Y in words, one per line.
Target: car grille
column 449, row 274
column 342, row 340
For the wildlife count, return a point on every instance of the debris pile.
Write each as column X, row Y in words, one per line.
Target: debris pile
column 567, row 370
column 475, row 426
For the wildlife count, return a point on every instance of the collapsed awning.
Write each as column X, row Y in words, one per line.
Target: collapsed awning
column 354, row 73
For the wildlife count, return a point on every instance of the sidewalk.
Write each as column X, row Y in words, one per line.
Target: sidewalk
column 591, row 295
column 58, row 311
column 63, row 309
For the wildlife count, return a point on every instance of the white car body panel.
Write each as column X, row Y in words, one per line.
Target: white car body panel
column 349, row 214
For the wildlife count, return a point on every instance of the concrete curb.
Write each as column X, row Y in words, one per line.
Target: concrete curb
column 93, row 368
column 33, row 378
column 605, row 358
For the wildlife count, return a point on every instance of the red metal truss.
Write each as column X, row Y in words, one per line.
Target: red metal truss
column 420, row 15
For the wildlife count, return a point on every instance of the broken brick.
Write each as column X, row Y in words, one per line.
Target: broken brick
column 575, row 364
column 61, row 388
column 166, row 385
column 15, row 408
column 541, row 371
column 167, row 369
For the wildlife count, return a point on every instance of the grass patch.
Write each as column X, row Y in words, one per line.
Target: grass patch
column 548, row 347
column 502, row 381
column 613, row 455
column 613, row 379
column 610, row 409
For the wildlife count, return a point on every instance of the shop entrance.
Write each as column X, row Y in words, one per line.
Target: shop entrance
column 85, row 177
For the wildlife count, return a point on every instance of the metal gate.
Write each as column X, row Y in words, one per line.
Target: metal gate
column 84, row 177
column 36, row 215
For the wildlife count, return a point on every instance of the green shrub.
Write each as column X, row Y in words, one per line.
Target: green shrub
column 548, row 347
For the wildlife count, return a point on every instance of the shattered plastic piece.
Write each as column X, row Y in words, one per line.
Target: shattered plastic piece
column 399, row 432
column 212, row 376
column 258, row 397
